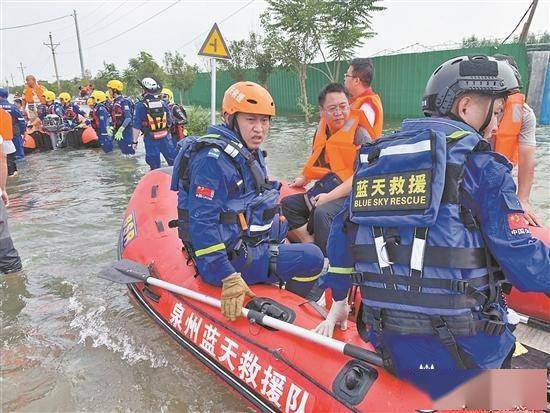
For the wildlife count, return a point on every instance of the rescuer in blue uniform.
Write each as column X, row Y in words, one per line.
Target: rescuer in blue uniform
column 101, row 120
column 72, row 110
column 121, row 116
column 432, row 233
column 228, row 209
column 51, row 107
column 152, row 118
column 18, row 122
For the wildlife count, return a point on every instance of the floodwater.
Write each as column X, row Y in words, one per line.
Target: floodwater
column 71, row 341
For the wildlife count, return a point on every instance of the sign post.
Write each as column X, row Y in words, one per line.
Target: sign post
column 214, row 47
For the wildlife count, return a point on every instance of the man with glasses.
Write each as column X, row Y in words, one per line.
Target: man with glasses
column 340, row 132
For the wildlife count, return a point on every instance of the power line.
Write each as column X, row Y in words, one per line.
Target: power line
column 101, row 26
column 221, row 21
column 36, row 23
column 134, row 26
column 520, row 20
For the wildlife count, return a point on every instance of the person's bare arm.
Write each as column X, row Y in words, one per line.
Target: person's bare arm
column 340, row 191
column 526, row 174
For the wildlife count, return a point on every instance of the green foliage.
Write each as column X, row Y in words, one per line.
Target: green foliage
column 347, row 24
column 139, row 67
column 108, row 72
column 179, row 75
column 199, row 120
column 473, row 41
column 239, row 51
column 543, row 38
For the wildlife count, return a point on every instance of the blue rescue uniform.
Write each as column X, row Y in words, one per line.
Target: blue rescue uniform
column 432, row 229
column 235, row 224
column 101, row 122
column 152, row 117
column 121, row 114
column 19, row 126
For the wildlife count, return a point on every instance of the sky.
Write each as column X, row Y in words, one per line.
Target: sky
column 184, row 25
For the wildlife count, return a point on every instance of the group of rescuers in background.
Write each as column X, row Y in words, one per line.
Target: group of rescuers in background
column 113, row 117
column 426, row 221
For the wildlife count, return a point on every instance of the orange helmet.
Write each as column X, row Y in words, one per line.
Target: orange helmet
column 248, row 97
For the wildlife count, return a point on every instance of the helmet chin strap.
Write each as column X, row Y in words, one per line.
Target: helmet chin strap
column 234, row 126
column 486, row 122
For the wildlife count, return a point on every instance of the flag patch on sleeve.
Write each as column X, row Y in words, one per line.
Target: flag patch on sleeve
column 204, row 192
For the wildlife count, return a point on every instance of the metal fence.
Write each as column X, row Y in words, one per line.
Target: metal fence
column 399, row 80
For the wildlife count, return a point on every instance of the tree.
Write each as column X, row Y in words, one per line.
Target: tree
column 139, row 67
column 179, row 74
column 239, row 50
column 291, row 30
column 347, row 24
column 473, row 41
column 263, row 58
column 108, row 72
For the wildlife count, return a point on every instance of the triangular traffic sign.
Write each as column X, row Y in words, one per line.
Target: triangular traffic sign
column 214, row 45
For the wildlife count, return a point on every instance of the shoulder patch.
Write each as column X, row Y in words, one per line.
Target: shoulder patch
column 214, row 153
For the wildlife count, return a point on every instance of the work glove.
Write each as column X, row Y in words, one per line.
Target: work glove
column 118, row 134
column 338, row 314
column 110, row 130
column 234, row 290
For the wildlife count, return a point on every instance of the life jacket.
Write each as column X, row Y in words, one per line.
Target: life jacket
column 117, row 110
column 70, row 114
column 94, row 122
column 335, row 153
column 6, row 125
column 33, row 96
column 245, row 219
column 180, row 120
column 506, row 140
column 7, row 106
column 376, row 103
column 156, row 119
column 421, row 260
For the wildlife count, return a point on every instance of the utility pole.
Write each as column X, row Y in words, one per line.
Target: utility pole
column 52, row 47
column 79, row 44
column 525, row 30
column 21, row 67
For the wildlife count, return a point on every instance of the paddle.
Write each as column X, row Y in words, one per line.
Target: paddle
column 128, row 272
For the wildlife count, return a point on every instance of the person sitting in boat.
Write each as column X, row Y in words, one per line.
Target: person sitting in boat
column 340, row 132
column 515, row 139
column 73, row 114
column 431, row 230
column 228, row 211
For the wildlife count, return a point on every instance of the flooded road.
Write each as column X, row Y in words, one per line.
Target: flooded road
column 71, row 341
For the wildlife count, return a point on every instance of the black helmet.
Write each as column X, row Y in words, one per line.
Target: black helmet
column 480, row 74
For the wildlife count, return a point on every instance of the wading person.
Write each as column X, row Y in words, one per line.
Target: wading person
column 152, row 118
column 121, row 110
column 9, row 257
column 430, row 231
column 228, row 208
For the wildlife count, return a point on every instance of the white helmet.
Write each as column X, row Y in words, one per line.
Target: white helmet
column 150, row 85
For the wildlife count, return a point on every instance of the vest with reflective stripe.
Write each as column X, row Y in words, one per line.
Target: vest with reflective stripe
column 419, row 257
column 257, row 201
column 376, row 103
column 335, row 153
column 507, row 137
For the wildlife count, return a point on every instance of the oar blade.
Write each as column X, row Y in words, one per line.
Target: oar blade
column 125, row 272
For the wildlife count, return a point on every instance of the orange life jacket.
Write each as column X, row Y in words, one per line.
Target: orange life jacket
column 28, row 94
column 6, row 125
column 376, row 103
column 337, row 152
column 506, row 141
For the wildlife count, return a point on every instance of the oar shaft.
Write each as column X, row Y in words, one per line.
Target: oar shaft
column 339, row 346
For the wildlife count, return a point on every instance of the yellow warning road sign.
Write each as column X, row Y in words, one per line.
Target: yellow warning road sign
column 214, row 45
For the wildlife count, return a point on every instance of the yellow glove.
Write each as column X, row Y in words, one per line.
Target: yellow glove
column 233, row 291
